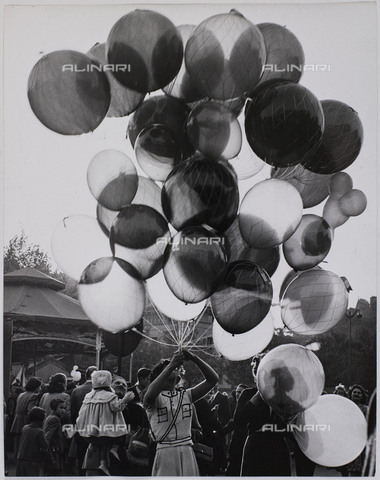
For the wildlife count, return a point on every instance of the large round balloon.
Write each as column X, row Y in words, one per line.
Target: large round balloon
column 157, row 151
column 201, row 191
column 138, row 226
column 284, row 54
column 309, row 244
column 270, row 213
column 313, row 187
column 333, row 214
column 244, row 298
column 112, row 294
column 123, row 343
column 182, row 86
column 68, row 93
column 314, row 302
column 245, row 345
column 290, row 378
column 124, row 100
column 340, row 183
column 332, row 432
column 214, row 130
column 76, row 242
column 353, row 203
column 112, row 179
column 165, row 111
column 224, row 56
column 284, row 123
column 149, row 48
column 341, row 142
column 266, row 258
column 167, row 303
column 195, row 263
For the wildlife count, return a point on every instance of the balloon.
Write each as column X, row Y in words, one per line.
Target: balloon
column 123, row 343
column 214, row 130
column 270, row 213
column 195, row 263
column 314, row 302
column 290, row 378
column 353, row 203
column 243, row 299
column 111, row 294
column 285, row 57
column 148, row 45
column 245, row 345
column 157, row 151
column 235, row 245
column 77, row 241
column 112, row 179
column 148, row 193
column 340, row 183
column 341, row 142
column 284, row 123
column 68, row 92
column 168, row 304
column 309, row 244
column 333, row 214
column 332, row 432
column 165, row 111
column 313, row 187
column 224, row 56
column 138, row 226
column 286, row 282
column 182, row 86
column 201, row 191
column 124, row 101
column 266, row 258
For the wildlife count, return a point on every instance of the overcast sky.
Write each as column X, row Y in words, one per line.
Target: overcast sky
column 45, row 173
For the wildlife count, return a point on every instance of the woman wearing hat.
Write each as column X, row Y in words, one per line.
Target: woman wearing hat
column 100, row 419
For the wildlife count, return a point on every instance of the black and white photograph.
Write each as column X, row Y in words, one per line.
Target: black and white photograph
column 190, row 238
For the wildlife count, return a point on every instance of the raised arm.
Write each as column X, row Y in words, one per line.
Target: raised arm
column 210, row 376
column 161, row 381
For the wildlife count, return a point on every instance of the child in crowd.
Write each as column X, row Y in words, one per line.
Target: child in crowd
column 54, row 436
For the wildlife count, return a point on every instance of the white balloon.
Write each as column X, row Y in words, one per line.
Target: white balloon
column 332, row 432
column 76, row 242
column 167, row 303
column 242, row 346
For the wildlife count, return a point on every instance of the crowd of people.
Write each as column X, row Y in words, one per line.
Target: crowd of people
column 160, row 426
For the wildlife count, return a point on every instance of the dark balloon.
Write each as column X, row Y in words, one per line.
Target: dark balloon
column 225, row 55
column 148, row 45
column 266, row 258
column 124, row 100
column 244, row 298
column 341, row 141
column 285, row 57
column 165, row 111
column 214, row 130
column 138, row 226
column 284, row 123
column 199, row 191
column 68, row 93
column 195, row 263
column 123, row 343
column 157, row 152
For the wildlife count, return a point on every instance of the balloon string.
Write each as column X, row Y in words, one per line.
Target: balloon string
column 163, row 322
column 201, row 349
column 196, row 342
column 159, row 330
column 194, row 326
column 152, row 339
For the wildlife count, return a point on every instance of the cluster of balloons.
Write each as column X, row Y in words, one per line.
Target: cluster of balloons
column 290, row 378
column 190, row 241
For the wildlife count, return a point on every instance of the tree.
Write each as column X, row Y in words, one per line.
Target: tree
column 21, row 253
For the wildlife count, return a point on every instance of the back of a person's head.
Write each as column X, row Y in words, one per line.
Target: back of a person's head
column 32, row 384
column 57, row 383
column 55, row 403
column 36, row 414
column 143, row 373
column 89, row 370
column 158, row 369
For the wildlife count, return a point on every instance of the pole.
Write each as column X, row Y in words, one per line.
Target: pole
column 7, row 352
column 130, row 366
column 98, row 346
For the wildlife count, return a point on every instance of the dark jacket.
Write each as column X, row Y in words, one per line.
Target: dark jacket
column 77, row 397
column 25, row 402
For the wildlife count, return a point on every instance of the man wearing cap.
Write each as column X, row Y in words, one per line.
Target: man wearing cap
column 142, row 384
